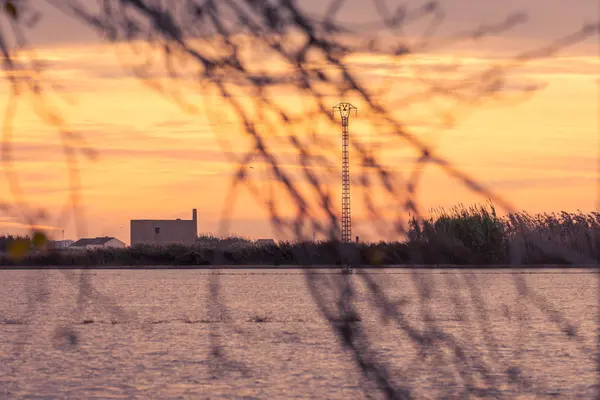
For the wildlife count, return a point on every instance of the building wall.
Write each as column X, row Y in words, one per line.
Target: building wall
column 59, row 244
column 76, row 248
column 115, row 244
column 169, row 232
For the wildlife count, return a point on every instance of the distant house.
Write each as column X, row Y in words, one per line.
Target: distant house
column 59, row 244
column 265, row 242
column 97, row 243
column 161, row 232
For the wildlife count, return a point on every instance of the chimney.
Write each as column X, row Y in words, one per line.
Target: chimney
column 195, row 219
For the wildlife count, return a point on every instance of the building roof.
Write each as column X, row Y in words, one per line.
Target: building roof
column 92, row 241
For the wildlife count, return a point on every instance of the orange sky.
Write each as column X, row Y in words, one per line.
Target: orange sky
column 156, row 161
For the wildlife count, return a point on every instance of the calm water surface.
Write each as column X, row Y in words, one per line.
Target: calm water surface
column 263, row 334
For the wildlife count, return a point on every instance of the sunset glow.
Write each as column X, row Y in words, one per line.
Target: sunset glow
column 155, row 160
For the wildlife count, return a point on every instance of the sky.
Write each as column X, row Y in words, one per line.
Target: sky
column 155, row 160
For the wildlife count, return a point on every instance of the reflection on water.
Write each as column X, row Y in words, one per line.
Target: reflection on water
column 260, row 334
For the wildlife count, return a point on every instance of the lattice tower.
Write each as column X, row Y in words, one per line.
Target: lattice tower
column 345, row 110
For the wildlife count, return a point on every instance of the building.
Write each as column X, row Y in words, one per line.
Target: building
column 59, row 244
column 97, row 243
column 265, row 242
column 162, row 232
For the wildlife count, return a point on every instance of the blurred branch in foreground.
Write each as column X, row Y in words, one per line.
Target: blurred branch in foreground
column 240, row 57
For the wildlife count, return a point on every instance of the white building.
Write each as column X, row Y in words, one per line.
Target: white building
column 97, row 243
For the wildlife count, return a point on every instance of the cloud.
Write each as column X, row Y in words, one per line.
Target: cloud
column 530, row 183
column 12, row 222
column 172, row 123
column 539, row 164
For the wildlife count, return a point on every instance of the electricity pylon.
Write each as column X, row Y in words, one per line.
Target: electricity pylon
column 345, row 110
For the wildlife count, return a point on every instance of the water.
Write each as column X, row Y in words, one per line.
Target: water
column 263, row 334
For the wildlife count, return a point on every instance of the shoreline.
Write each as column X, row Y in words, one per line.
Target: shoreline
column 305, row 267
